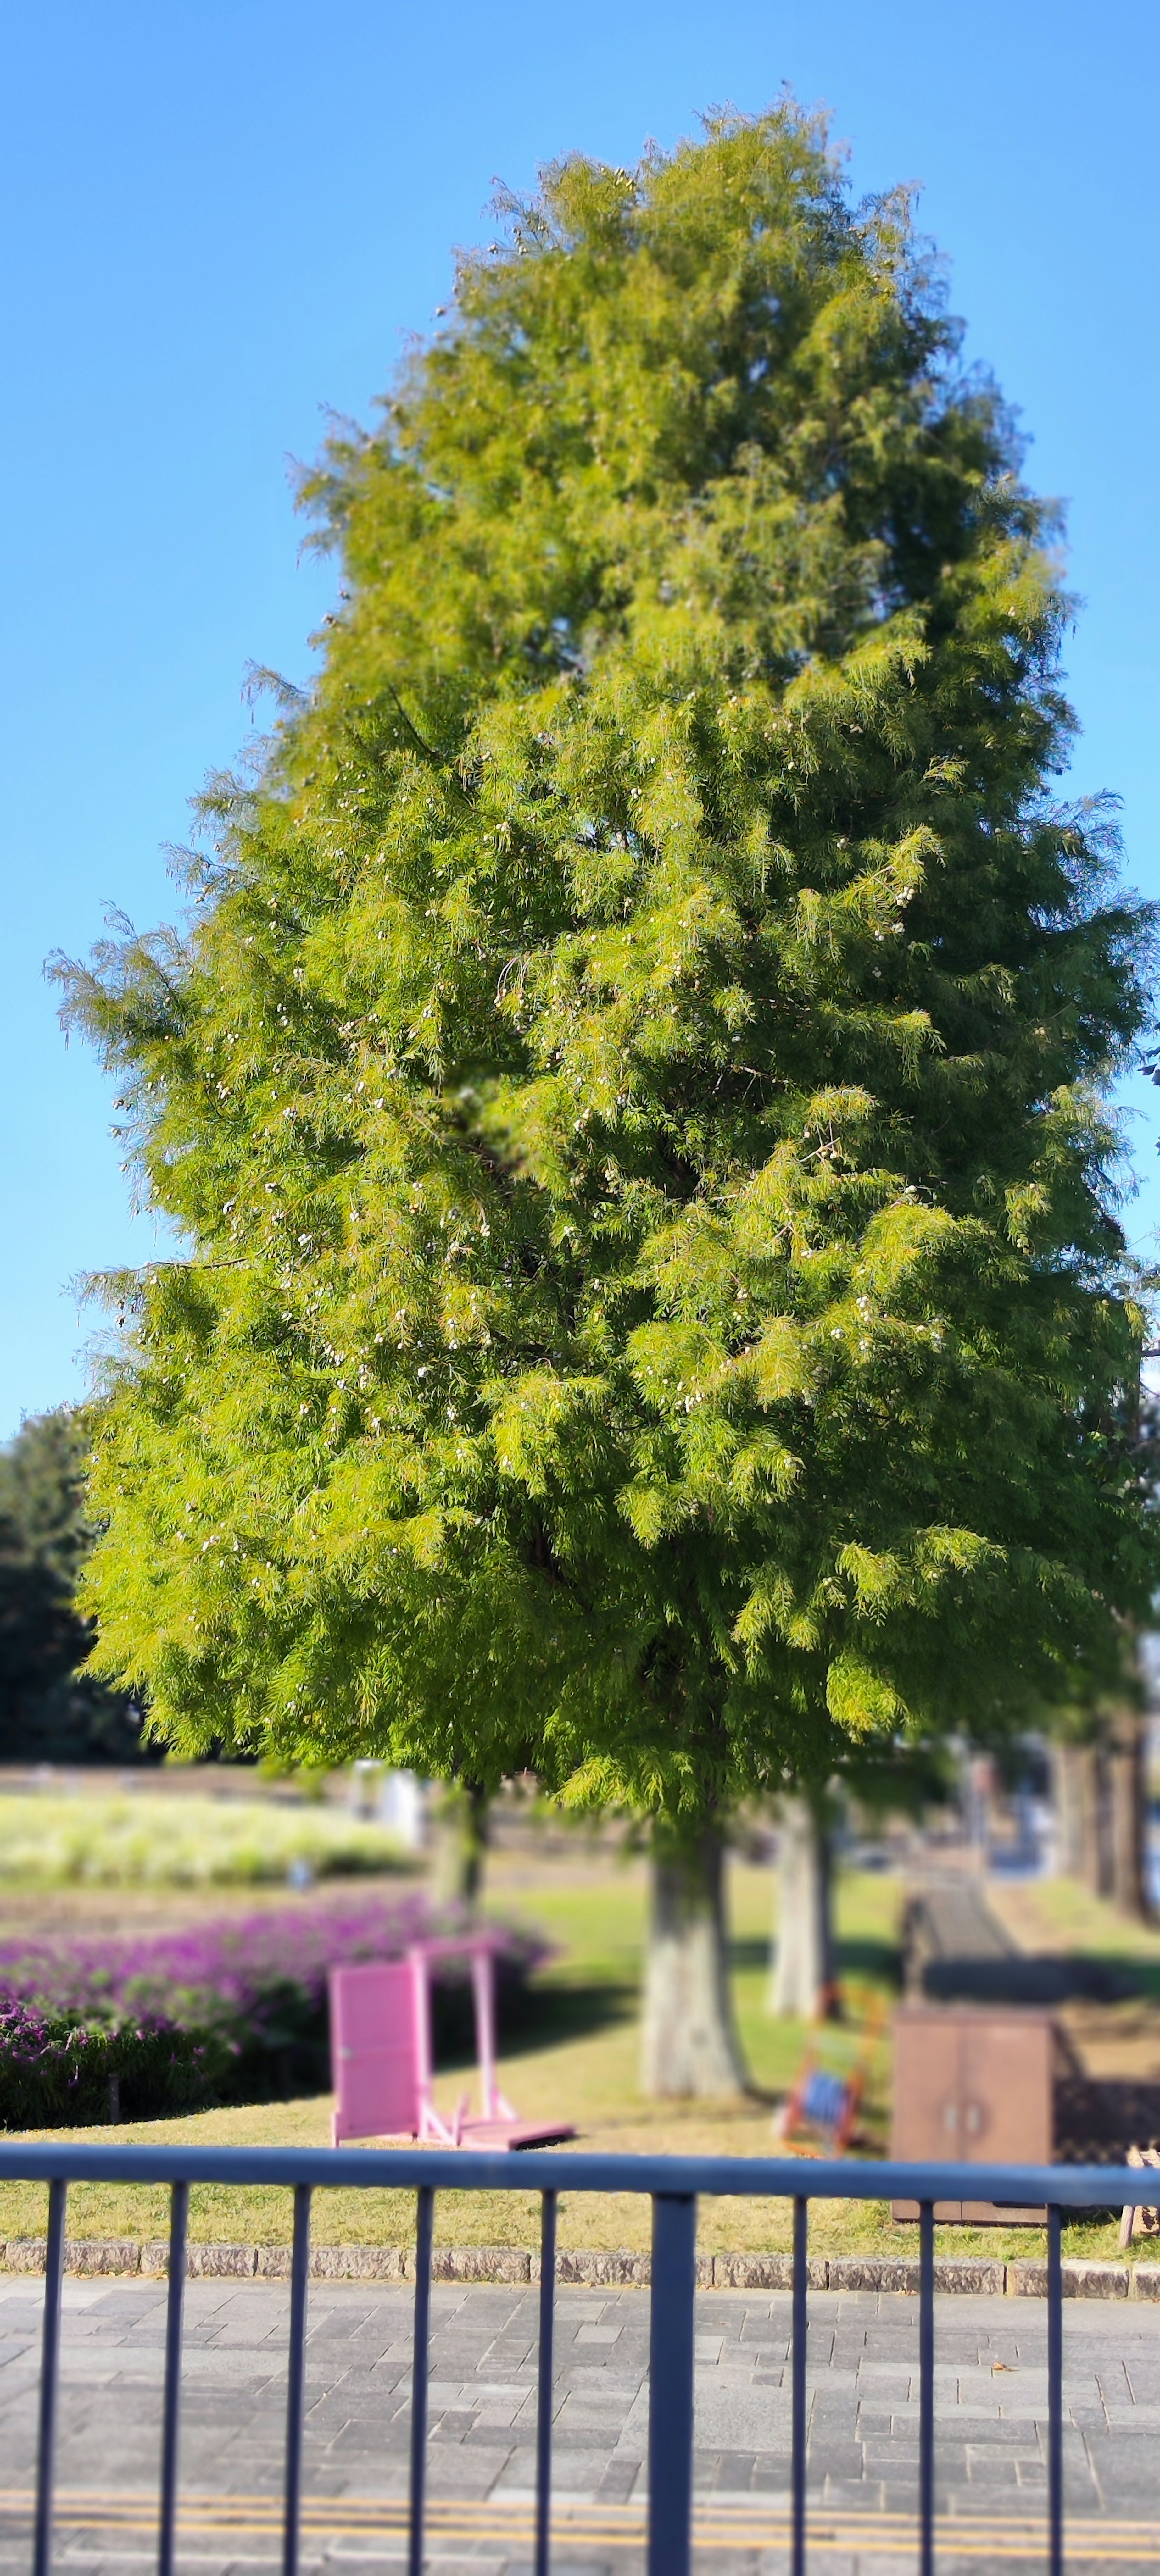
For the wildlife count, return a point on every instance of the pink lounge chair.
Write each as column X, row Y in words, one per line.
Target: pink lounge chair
column 380, row 2040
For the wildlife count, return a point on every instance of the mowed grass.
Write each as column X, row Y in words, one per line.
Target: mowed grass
column 573, row 2052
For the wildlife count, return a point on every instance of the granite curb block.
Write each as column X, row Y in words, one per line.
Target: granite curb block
column 1080, row 2280
column 964, row 2275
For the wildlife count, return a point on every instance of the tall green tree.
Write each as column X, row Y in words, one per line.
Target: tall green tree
column 632, row 1080
column 49, row 1710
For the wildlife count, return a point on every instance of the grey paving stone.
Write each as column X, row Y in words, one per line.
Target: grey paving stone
column 862, row 2390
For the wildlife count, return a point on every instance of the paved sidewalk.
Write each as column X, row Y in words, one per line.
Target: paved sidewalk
column 991, row 2400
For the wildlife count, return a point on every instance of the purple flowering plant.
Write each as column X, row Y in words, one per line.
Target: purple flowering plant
column 232, row 2009
column 56, row 2072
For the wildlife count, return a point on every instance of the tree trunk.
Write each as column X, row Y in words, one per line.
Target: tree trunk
column 1069, row 1807
column 1128, row 1817
column 1093, row 1837
column 690, row 2041
column 461, row 1836
column 803, row 1979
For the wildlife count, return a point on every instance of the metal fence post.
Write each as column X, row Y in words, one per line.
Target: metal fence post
column 178, row 2222
column 299, row 2276
column 1054, row 2393
column 926, row 2389
column 420, row 2373
column 670, row 2401
column 49, row 2378
column 801, row 2220
column 544, row 2394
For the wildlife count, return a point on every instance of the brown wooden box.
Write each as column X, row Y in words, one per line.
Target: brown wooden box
column 972, row 2086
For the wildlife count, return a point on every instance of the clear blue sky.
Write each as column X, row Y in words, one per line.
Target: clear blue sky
column 220, row 218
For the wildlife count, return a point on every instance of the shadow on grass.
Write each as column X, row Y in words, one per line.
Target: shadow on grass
column 548, row 2014
column 867, row 1961
column 1144, row 1975
column 545, row 2016
column 861, row 1961
column 1043, row 1978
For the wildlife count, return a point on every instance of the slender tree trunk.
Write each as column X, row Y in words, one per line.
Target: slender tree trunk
column 1128, row 1817
column 691, row 2046
column 461, row 1837
column 1104, row 1810
column 803, row 1976
column 1066, row 1764
column 1089, row 1771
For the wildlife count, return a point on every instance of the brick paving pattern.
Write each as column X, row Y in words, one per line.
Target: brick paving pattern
column 863, row 2455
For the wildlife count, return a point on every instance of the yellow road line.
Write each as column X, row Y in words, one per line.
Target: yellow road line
column 142, row 2504
column 717, row 2525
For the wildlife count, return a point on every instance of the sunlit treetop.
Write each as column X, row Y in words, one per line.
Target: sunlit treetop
column 633, row 1080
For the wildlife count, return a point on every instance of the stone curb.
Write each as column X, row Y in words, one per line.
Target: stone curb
column 507, row 2264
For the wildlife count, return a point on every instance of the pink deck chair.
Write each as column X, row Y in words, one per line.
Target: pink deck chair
column 380, row 2022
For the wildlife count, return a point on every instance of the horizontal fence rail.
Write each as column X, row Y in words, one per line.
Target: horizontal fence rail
column 674, row 2184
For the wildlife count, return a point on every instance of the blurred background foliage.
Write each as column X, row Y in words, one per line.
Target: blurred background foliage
column 49, row 1710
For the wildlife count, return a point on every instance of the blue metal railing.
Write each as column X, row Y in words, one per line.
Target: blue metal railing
column 674, row 2184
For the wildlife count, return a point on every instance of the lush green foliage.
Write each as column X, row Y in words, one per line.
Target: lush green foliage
column 48, row 1710
column 632, row 1082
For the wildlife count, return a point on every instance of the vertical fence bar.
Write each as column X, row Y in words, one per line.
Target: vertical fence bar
column 424, row 2230
column 801, row 2216
column 296, row 2381
column 545, row 2389
column 175, row 2305
column 49, row 2378
column 670, row 2384
column 926, row 2388
column 1054, row 2392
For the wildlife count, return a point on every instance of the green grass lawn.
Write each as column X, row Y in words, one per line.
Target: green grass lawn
column 1059, row 1914
column 572, row 2051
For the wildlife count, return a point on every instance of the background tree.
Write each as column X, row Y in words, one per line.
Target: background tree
column 878, row 1777
column 804, row 1961
column 1099, row 1766
column 1099, row 1735
column 631, row 1083
column 50, row 1711
column 461, row 1833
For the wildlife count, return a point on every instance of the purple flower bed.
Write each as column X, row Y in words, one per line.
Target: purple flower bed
column 225, row 1968
column 57, row 2073
column 235, row 2007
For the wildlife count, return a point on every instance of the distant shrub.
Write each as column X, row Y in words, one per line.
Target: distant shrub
column 241, row 2007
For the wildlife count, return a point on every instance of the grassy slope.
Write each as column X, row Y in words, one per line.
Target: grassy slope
column 575, row 2053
